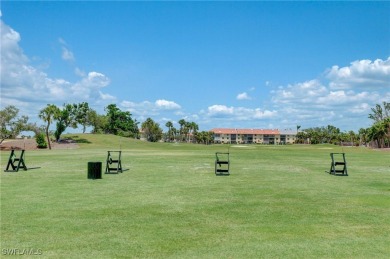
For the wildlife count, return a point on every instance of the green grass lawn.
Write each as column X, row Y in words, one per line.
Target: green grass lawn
column 278, row 202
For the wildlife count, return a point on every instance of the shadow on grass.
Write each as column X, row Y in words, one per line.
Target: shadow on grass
column 116, row 172
column 77, row 139
column 336, row 174
column 21, row 169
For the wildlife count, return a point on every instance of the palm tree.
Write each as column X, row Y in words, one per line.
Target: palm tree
column 47, row 115
column 174, row 133
column 362, row 136
column 182, row 123
column 379, row 113
column 301, row 137
column 332, row 133
column 193, row 127
column 309, row 134
column 152, row 130
column 169, row 125
column 377, row 133
column 380, row 130
column 187, row 130
column 352, row 136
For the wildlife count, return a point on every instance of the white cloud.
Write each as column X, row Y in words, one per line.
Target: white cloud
column 362, row 108
column 25, row 84
column 217, row 110
column 312, row 94
column 141, row 108
column 11, row 54
column 168, row 105
column 364, row 74
column 259, row 114
column 146, row 109
column 305, row 92
column 107, row 97
column 243, row 96
column 79, row 72
column 67, row 54
column 238, row 113
column 344, row 101
column 346, row 97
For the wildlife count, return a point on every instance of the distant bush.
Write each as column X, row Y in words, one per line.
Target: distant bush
column 41, row 141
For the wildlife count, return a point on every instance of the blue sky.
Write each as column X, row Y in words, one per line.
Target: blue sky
column 219, row 64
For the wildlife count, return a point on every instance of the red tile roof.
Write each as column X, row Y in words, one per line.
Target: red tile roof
column 246, row 131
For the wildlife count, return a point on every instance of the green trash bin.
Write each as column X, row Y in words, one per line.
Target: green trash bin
column 94, row 170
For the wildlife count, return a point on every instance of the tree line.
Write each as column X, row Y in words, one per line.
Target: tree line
column 121, row 123
column 115, row 121
column 188, row 132
column 378, row 133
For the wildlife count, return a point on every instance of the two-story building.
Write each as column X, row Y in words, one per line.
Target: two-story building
column 250, row 136
column 288, row 136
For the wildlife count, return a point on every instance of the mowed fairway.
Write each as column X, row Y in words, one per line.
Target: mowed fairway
column 278, row 202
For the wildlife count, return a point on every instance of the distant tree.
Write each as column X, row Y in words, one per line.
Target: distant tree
column 199, row 137
column 380, row 130
column 193, row 128
column 120, row 122
column 203, row 137
column 386, row 123
column 362, row 136
column 310, row 133
column 331, row 134
column 209, row 137
column 342, row 137
column 182, row 124
column 169, row 125
column 301, row 137
column 352, row 137
column 67, row 117
column 188, row 128
column 11, row 125
column 380, row 113
column 82, row 112
column 48, row 114
column 98, row 122
column 151, row 130
column 317, row 135
column 175, row 133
